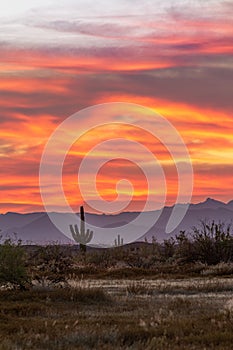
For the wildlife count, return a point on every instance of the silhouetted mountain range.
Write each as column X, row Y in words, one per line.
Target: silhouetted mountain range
column 36, row 228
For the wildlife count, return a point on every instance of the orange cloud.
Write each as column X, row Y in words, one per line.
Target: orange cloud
column 207, row 145
column 183, row 74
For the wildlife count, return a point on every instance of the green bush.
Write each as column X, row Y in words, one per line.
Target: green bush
column 12, row 264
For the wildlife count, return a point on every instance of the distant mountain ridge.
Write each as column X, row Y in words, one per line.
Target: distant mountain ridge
column 36, row 228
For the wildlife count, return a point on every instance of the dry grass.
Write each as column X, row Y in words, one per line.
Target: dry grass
column 147, row 314
column 188, row 286
column 139, row 288
column 220, row 269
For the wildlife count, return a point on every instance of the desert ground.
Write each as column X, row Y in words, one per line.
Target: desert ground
column 175, row 295
column 187, row 313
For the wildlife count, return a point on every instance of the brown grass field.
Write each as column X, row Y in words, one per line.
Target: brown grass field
column 87, row 313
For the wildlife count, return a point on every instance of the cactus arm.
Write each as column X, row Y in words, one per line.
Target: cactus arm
column 73, row 232
column 76, row 229
column 89, row 236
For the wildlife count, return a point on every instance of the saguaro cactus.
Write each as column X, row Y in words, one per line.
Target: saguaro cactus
column 118, row 241
column 81, row 236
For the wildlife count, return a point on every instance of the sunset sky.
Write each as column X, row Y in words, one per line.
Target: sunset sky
column 58, row 57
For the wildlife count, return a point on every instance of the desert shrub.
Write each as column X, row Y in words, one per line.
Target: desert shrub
column 209, row 243
column 213, row 242
column 51, row 264
column 12, row 264
column 103, row 259
column 168, row 249
column 185, row 249
column 145, row 256
column 134, row 260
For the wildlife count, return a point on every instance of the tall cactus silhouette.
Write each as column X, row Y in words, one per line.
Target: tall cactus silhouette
column 81, row 236
column 118, row 241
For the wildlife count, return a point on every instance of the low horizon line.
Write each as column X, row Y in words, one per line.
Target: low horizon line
column 97, row 213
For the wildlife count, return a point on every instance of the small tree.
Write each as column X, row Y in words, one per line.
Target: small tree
column 12, row 264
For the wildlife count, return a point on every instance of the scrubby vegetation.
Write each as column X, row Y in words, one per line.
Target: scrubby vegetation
column 206, row 250
column 13, row 265
column 174, row 295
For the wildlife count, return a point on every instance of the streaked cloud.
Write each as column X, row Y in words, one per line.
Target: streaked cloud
column 175, row 57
